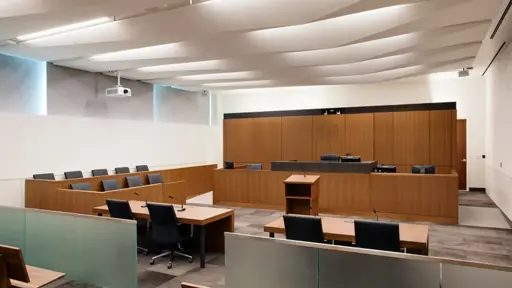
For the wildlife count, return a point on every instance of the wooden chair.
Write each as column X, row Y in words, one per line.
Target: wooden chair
column 188, row 285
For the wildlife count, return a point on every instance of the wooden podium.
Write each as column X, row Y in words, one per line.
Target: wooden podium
column 301, row 194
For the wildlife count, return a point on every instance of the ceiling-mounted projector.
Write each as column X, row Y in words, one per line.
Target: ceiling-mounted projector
column 118, row 90
column 465, row 72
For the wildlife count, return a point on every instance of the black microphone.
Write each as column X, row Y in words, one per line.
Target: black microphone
column 145, row 205
column 179, row 209
column 376, row 215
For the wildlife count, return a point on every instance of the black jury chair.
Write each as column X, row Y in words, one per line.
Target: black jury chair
column 154, row 179
column 142, row 168
column 110, row 184
column 167, row 232
column 122, row 170
column 85, row 186
column 73, row 175
column 44, row 176
column 121, row 209
column 254, row 166
column 303, row 228
column 133, row 181
column 99, row 172
column 377, row 235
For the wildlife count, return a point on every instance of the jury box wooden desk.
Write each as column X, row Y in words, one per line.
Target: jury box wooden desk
column 400, row 196
column 212, row 223
column 413, row 236
column 57, row 195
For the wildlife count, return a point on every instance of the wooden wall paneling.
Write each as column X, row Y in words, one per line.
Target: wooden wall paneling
column 383, row 139
column 328, row 135
column 439, row 196
column 297, row 138
column 411, row 137
column 344, row 192
column 444, row 170
column 359, row 135
column 441, row 135
column 266, row 139
column 404, row 169
column 238, row 140
column 38, row 193
column 199, row 179
column 395, row 193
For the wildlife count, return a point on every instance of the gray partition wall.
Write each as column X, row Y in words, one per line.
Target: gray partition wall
column 254, row 261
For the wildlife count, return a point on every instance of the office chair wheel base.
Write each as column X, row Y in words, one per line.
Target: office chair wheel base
column 190, row 260
column 145, row 253
column 169, row 266
column 151, row 262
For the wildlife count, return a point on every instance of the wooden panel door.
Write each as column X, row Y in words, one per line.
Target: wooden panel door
column 359, row 135
column 441, row 137
column 238, row 140
column 328, row 135
column 411, row 137
column 461, row 153
column 383, row 138
column 297, row 138
column 266, row 140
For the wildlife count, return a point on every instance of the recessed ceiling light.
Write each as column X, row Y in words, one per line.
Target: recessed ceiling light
column 217, row 76
column 63, row 29
column 242, row 83
column 190, row 66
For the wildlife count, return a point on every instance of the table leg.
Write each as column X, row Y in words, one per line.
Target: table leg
column 100, row 214
column 202, row 245
column 271, row 234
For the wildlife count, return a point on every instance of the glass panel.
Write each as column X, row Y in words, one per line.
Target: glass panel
column 12, row 227
column 51, row 241
column 470, row 277
column 255, row 262
column 363, row 270
column 106, row 251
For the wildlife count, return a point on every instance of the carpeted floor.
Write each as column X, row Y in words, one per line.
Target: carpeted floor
column 489, row 245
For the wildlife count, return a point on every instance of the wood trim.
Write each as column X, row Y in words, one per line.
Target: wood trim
column 346, row 110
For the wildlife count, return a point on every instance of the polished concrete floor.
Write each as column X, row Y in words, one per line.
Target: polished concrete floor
column 469, row 241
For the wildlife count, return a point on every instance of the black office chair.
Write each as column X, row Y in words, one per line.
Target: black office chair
column 142, row 168
column 122, row 170
column 330, row 157
column 133, row 181
column 377, row 235
column 82, row 186
column 121, row 209
column 110, row 184
column 167, row 232
column 99, row 172
column 423, row 169
column 73, row 175
column 303, row 228
column 44, row 176
column 254, row 166
column 154, row 179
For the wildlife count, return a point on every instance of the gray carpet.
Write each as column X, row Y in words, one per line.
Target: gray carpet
column 476, row 199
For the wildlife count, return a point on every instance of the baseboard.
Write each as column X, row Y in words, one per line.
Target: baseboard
column 477, row 189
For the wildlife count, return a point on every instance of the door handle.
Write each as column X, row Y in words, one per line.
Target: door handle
column 463, row 160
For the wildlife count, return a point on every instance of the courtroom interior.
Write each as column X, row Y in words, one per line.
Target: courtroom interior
column 255, row 143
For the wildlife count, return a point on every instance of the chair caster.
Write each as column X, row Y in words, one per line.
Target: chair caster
column 145, row 253
column 190, row 260
column 169, row 266
column 151, row 262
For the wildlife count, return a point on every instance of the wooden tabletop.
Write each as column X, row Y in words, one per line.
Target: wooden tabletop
column 301, row 179
column 411, row 235
column 39, row 277
column 196, row 215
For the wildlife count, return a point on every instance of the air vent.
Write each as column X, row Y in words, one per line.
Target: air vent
column 501, row 19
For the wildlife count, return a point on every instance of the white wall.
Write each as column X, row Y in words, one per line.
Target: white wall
column 469, row 93
column 71, row 135
column 499, row 136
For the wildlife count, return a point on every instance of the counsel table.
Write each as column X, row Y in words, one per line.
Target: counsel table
column 412, row 236
column 215, row 220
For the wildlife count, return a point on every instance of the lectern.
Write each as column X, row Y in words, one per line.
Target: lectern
column 301, row 193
